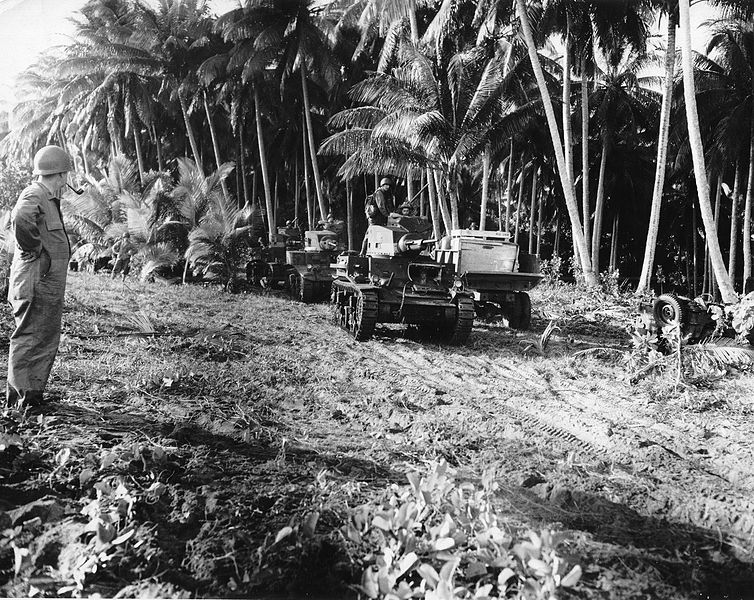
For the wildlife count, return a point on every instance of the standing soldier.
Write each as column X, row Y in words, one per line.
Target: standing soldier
column 37, row 278
column 378, row 206
column 123, row 250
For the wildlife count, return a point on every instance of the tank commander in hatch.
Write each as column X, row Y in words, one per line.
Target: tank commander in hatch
column 378, row 206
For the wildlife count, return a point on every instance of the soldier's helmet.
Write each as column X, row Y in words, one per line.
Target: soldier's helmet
column 386, row 181
column 51, row 160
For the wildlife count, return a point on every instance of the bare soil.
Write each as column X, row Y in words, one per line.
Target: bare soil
column 244, row 413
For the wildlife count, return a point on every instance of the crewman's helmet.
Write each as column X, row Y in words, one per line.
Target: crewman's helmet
column 51, row 160
column 386, row 181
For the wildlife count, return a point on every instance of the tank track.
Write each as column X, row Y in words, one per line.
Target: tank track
column 355, row 310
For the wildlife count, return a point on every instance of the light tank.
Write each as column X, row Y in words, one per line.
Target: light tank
column 268, row 266
column 311, row 276
column 397, row 281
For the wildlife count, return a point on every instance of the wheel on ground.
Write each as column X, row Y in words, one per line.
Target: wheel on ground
column 668, row 309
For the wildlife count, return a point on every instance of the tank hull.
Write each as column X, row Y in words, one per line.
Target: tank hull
column 412, row 290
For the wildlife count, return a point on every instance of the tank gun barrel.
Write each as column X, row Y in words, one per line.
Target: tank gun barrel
column 412, row 245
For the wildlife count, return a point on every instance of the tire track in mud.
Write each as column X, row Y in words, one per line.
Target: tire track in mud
column 594, row 418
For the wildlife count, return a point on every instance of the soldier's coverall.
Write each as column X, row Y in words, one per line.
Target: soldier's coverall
column 36, row 291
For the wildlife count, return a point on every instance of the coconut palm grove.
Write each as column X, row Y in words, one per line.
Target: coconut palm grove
column 590, row 131
column 208, row 435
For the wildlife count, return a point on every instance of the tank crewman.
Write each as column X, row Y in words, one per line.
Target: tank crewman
column 37, row 278
column 123, row 250
column 406, row 209
column 378, row 206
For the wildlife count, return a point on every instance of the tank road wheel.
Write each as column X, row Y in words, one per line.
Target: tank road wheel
column 457, row 332
column 523, row 302
column 519, row 312
column 255, row 271
column 669, row 310
column 363, row 315
column 338, row 298
column 294, row 286
column 307, row 290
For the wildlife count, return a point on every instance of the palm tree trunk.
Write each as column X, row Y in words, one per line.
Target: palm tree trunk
column 409, row 185
column 733, row 247
column 87, row 140
column 139, row 153
column 276, row 201
column 158, row 148
column 556, row 244
column 714, row 287
column 248, row 199
column 412, row 21
column 697, row 152
column 255, row 186
column 349, row 215
column 519, row 204
column 694, row 245
column 453, row 192
column 485, row 187
column 215, row 146
column 263, row 167
column 565, row 181
column 662, row 152
column 614, row 244
column 190, row 133
column 297, row 194
column 540, row 204
column 323, row 210
column 532, row 208
column 446, row 219
column 598, row 210
column 433, row 205
column 585, row 203
column 509, row 191
column 422, row 204
column 746, row 235
column 567, row 129
column 307, row 187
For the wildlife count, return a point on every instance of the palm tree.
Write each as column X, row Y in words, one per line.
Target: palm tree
column 566, row 182
column 662, row 150
column 216, row 245
column 413, row 119
column 725, row 100
column 623, row 109
column 697, row 152
column 297, row 37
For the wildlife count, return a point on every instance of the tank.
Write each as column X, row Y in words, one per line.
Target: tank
column 493, row 270
column 311, row 276
column 397, row 281
column 268, row 266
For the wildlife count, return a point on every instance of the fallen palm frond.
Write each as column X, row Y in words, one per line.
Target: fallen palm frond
column 702, row 358
column 540, row 344
column 141, row 322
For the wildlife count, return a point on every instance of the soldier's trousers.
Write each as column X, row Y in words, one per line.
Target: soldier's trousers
column 36, row 292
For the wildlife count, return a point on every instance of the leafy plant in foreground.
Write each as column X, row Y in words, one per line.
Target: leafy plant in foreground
column 442, row 540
